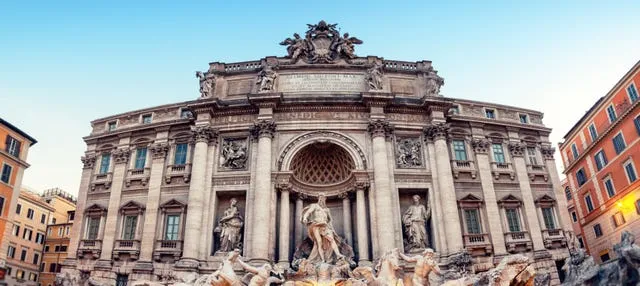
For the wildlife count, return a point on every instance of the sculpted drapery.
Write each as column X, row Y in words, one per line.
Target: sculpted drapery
column 317, row 218
column 414, row 220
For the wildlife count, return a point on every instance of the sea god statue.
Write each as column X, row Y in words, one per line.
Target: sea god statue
column 317, row 218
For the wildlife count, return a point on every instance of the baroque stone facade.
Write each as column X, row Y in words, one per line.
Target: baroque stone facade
column 320, row 161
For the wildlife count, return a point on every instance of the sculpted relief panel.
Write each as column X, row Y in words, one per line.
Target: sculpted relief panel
column 233, row 154
column 409, row 153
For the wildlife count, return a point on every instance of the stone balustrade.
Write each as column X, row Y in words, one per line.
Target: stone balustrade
column 103, row 179
column 90, row 246
column 174, row 171
column 167, row 247
column 141, row 175
column 502, row 168
column 537, row 170
column 463, row 166
column 518, row 241
column 478, row 243
column 127, row 246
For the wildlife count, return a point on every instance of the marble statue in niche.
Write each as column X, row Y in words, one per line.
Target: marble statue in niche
column 409, row 153
column 234, row 154
column 229, row 227
column 317, row 218
column 415, row 220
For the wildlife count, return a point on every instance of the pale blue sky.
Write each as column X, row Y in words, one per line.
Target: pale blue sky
column 65, row 63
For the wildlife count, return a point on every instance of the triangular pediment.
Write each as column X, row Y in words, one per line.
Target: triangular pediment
column 173, row 203
column 510, row 198
column 470, row 198
column 545, row 199
column 132, row 205
column 95, row 209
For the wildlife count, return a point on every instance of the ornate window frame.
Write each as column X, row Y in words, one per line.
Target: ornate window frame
column 172, row 207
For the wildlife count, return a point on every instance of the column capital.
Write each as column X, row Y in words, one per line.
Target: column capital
column 159, row 150
column 204, row 133
column 360, row 185
column 283, row 187
column 344, row 195
column 516, row 149
column 264, row 128
column 379, row 127
column 121, row 155
column 301, row 196
column 88, row 161
column 437, row 131
column 480, row 145
column 547, row 152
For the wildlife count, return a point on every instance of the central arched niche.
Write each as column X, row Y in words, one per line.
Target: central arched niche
column 322, row 163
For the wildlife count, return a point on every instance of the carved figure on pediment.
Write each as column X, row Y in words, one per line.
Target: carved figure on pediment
column 234, row 154
column 374, row 76
column 409, row 153
column 344, row 46
column 296, row 47
column 425, row 264
column 207, row 83
column 229, row 227
column 434, row 82
column 415, row 219
column 266, row 79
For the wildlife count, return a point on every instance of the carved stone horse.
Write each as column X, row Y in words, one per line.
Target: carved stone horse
column 387, row 268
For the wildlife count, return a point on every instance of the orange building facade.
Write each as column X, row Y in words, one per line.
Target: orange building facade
column 601, row 155
column 14, row 147
column 58, row 234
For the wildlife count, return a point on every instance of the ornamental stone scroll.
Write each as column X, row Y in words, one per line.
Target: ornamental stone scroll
column 264, row 128
column 204, row 133
column 380, row 127
column 437, row 131
column 480, row 145
column 88, row 161
column 159, row 150
column 121, row 155
column 517, row 149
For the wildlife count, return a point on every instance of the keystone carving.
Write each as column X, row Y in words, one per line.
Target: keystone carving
column 437, row 131
column 379, row 127
column 159, row 150
column 480, row 145
column 88, row 161
column 264, row 128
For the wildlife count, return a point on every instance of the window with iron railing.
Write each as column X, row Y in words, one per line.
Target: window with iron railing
column 601, row 160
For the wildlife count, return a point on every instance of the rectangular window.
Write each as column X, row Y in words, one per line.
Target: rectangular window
column 46, row 248
column 532, row 156
column 636, row 122
column 513, row 220
column 593, row 132
column 490, row 113
column 23, row 255
column 581, row 242
column 36, row 257
column 618, row 219
column 459, row 150
column 130, row 223
column 605, row 257
column 589, row 203
column 104, row 163
column 16, row 230
column 498, row 153
column 597, row 230
column 43, row 218
column 581, row 177
column 6, row 173
column 63, row 248
column 30, row 213
column 122, row 279
column 631, row 172
column 42, row 266
column 53, row 220
column 141, row 158
column 567, row 193
column 608, row 184
column 632, row 92
column 180, row 157
column 172, row 224
column 574, row 216
column 93, row 227
column 473, row 221
column 618, row 143
column 524, row 119
column 146, row 119
column 56, row 248
column 11, row 252
column 611, row 112
column 33, row 277
column 1, row 205
column 52, row 267
column 19, row 274
column 60, row 231
column 111, row 126
column 547, row 214
column 12, row 146
column 574, row 150
column 18, row 208
column 601, row 160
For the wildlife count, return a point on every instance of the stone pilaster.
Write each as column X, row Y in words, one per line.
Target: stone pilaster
column 299, row 227
column 361, row 223
column 158, row 152
column 346, row 217
column 517, row 150
column 120, row 158
column 285, row 219
column 561, row 199
column 203, row 134
column 88, row 162
column 210, row 199
column 438, row 133
column 481, row 149
column 264, row 130
column 440, row 235
column 379, row 130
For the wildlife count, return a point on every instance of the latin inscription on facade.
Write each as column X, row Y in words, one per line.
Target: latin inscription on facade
column 312, row 115
column 321, row 82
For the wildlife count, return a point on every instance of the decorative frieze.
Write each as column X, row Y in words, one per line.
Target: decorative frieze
column 547, row 152
column 159, row 150
column 437, row 131
column 379, row 127
column 480, row 145
column 517, row 149
column 264, row 128
column 409, row 153
column 121, row 155
column 88, row 161
column 204, row 133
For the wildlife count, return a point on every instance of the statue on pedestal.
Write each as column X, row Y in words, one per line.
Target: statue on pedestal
column 229, row 227
column 414, row 220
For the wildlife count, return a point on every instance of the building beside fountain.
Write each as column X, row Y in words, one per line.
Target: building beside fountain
column 168, row 192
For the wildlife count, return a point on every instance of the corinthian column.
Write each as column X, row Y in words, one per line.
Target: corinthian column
column 88, row 162
column 120, row 159
column 264, row 130
column 346, row 217
column 550, row 163
column 517, row 150
column 361, row 223
column 285, row 218
column 379, row 129
column 481, row 148
column 438, row 133
column 203, row 135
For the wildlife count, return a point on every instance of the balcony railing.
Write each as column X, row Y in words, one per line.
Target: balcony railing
column 554, row 238
column 167, row 247
column 90, row 246
column 104, row 179
column 537, row 170
column 478, row 243
column 141, row 175
column 173, row 171
column 127, row 246
column 501, row 168
column 460, row 166
column 518, row 240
